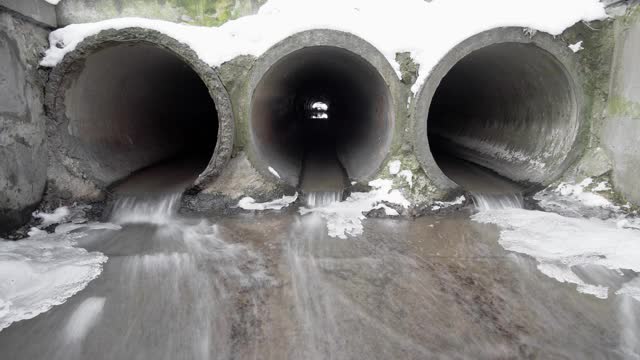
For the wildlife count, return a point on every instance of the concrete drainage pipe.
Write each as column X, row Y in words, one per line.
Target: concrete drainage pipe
column 319, row 95
column 127, row 99
column 502, row 100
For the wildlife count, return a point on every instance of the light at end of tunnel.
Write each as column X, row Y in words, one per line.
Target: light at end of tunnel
column 319, row 105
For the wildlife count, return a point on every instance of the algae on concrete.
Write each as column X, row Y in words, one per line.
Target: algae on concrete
column 195, row 12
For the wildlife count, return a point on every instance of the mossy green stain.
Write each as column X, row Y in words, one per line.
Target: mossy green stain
column 619, row 106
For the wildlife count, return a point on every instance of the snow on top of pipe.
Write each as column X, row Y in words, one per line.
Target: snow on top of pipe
column 428, row 30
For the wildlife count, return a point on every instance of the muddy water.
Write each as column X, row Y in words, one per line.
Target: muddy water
column 276, row 286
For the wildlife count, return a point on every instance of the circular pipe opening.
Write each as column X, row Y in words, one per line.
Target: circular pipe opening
column 126, row 100
column 503, row 113
column 135, row 105
column 321, row 114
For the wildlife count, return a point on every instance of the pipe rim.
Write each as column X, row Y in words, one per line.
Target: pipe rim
column 328, row 38
column 72, row 62
column 545, row 42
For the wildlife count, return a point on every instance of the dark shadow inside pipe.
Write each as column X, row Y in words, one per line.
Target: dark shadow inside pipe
column 508, row 109
column 132, row 105
column 324, row 109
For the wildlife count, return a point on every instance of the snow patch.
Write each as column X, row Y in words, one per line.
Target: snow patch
column 35, row 232
column 56, row 217
column 565, row 274
column 428, row 30
column 274, row 172
column 602, row 186
column 576, row 200
column 576, row 47
column 41, row 272
column 345, row 218
column 249, row 203
column 394, row 167
column 560, row 244
column 445, row 204
column 408, row 177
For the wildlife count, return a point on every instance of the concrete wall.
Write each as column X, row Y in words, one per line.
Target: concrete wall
column 620, row 135
column 23, row 159
column 195, row 12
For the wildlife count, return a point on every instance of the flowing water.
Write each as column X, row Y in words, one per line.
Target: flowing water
column 274, row 285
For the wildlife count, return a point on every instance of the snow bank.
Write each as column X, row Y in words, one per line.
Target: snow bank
column 345, row 218
column 249, row 203
column 41, row 272
column 560, row 244
column 582, row 200
column 428, row 30
column 578, row 193
column 437, row 205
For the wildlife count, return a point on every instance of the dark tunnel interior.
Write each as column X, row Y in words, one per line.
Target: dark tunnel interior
column 509, row 108
column 133, row 105
column 325, row 110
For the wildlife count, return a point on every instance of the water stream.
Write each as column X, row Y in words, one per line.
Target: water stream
column 274, row 285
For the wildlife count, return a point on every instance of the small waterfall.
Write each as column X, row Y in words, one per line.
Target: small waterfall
column 628, row 310
column 485, row 201
column 323, row 198
column 151, row 210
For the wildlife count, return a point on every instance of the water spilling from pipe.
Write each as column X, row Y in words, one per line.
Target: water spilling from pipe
column 323, row 198
column 484, row 201
column 159, row 209
column 276, row 286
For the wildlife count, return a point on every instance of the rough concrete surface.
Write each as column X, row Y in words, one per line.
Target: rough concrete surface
column 23, row 160
column 532, row 137
column 37, row 10
column 367, row 154
column 622, row 129
column 98, row 160
column 196, row 12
